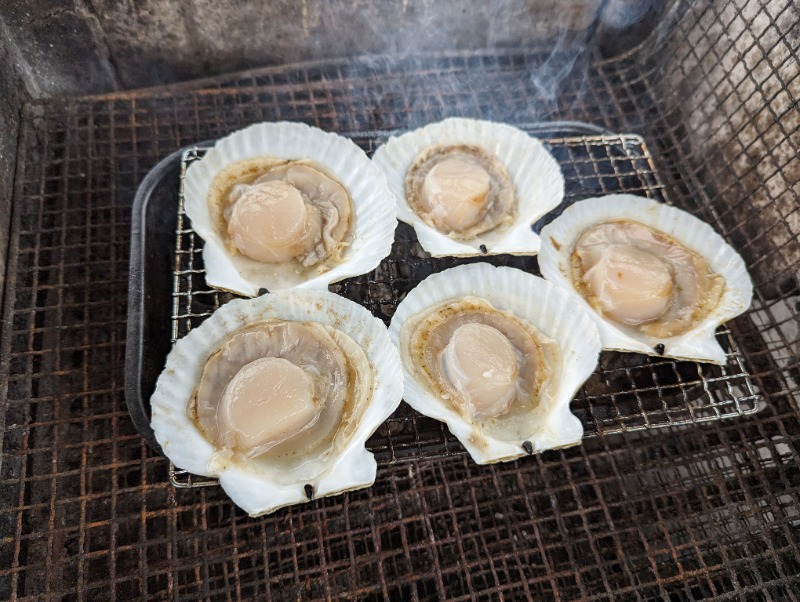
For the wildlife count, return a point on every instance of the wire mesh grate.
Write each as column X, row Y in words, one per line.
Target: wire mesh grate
column 707, row 511
column 628, row 392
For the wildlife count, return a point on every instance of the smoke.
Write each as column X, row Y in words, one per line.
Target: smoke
column 623, row 14
column 504, row 61
column 518, row 61
column 548, row 77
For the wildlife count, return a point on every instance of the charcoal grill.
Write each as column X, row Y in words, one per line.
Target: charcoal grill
column 703, row 115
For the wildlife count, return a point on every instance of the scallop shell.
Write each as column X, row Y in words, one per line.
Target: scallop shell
column 537, row 179
column 373, row 204
column 530, row 298
column 558, row 240
column 254, row 485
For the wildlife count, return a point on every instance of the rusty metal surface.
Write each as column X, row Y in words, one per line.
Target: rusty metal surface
column 87, row 511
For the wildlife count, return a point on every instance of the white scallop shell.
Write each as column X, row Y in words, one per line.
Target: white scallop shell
column 373, row 204
column 537, row 179
column 254, row 485
column 548, row 308
column 558, row 241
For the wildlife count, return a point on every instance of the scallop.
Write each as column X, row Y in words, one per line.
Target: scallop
column 655, row 279
column 471, row 187
column 498, row 355
column 277, row 395
column 285, row 205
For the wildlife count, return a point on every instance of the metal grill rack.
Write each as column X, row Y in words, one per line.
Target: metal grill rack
column 684, row 513
column 627, row 393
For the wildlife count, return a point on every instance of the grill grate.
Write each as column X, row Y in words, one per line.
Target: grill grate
column 707, row 511
column 627, row 393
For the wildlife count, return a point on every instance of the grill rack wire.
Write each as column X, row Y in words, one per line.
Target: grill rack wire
column 707, row 512
column 628, row 392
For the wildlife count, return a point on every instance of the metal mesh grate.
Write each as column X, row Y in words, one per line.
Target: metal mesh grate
column 87, row 511
column 627, row 392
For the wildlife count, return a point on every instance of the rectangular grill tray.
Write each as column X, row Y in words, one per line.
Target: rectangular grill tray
column 628, row 392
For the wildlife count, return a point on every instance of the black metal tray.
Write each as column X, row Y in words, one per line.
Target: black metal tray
column 627, row 392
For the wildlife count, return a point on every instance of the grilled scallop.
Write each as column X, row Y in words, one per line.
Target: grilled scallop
column 656, row 279
column 471, row 187
column 276, row 397
column 498, row 355
column 284, row 205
